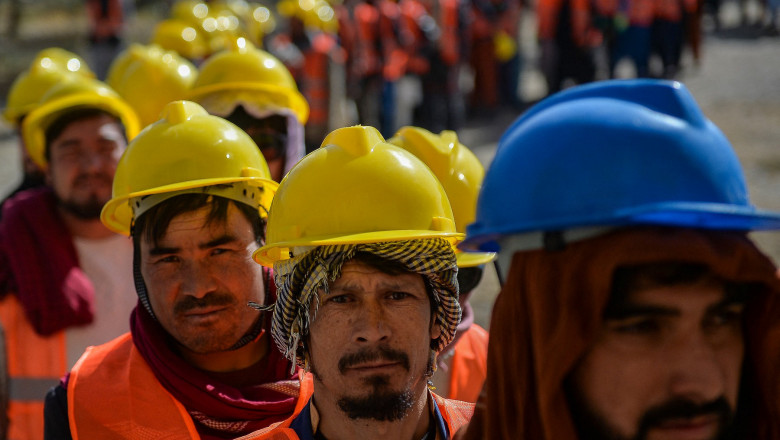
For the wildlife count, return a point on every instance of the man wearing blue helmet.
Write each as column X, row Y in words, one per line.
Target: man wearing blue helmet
column 635, row 306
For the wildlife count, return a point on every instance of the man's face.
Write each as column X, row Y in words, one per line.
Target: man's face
column 200, row 277
column 270, row 135
column 82, row 163
column 370, row 343
column 666, row 365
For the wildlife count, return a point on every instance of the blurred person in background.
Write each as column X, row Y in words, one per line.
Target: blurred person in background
column 635, row 304
column 106, row 23
column 567, row 37
column 254, row 90
column 65, row 281
column 49, row 67
column 308, row 46
column 462, row 364
column 148, row 77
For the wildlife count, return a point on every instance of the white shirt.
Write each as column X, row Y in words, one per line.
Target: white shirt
column 108, row 263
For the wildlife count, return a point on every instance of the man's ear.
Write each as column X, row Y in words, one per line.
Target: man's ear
column 435, row 330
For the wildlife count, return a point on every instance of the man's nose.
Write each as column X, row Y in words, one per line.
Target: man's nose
column 371, row 325
column 699, row 373
column 197, row 279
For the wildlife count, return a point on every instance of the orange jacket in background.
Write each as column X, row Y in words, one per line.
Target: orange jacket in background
column 35, row 363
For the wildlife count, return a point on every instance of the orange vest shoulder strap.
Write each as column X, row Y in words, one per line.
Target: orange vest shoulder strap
column 34, row 364
column 456, row 414
column 113, row 393
column 281, row 430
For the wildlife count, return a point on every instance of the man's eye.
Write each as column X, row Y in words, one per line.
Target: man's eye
column 398, row 295
column 338, row 299
column 726, row 317
column 219, row 251
column 636, row 326
column 168, row 259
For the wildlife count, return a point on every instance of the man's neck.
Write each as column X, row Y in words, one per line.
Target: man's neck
column 232, row 360
column 334, row 424
column 91, row 229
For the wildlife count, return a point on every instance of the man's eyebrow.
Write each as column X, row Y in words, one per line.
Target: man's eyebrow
column 632, row 310
column 67, row 143
column 219, row 241
column 160, row 250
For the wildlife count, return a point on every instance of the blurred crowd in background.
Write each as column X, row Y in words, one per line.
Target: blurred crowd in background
column 428, row 63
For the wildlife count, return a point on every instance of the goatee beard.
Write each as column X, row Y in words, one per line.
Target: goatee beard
column 89, row 210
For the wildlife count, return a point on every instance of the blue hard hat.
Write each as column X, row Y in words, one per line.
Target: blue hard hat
column 613, row 153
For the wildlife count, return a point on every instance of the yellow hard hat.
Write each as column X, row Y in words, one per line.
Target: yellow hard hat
column 46, row 70
column 148, row 77
column 72, row 93
column 459, row 172
column 192, row 12
column 315, row 14
column 182, row 38
column 260, row 21
column 246, row 69
column 356, row 188
column 187, row 148
column 505, row 47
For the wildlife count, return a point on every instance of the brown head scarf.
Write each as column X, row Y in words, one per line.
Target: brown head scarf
column 550, row 309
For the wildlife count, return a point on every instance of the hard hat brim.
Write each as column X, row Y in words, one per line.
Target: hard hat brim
column 473, row 259
column 117, row 215
column 714, row 216
column 36, row 122
column 294, row 99
column 269, row 254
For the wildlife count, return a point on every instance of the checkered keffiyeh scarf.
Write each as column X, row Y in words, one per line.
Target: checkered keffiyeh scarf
column 300, row 279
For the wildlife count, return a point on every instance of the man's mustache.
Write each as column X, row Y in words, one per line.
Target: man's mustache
column 86, row 177
column 682, row 409
column 375, row 354
column 189, row 303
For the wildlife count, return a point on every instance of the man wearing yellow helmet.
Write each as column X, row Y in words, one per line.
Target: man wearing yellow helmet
column 63, row 277
column 252, row 89
column 197, row 362
column 50, row 66
column 463, row 363
column 367, row 289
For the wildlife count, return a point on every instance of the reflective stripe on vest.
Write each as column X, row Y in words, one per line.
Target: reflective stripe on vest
column 469, row 365
column 112, row 393
column 35, row 363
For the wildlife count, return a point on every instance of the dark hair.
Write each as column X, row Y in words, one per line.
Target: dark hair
column 153, row 224
column 61, row 122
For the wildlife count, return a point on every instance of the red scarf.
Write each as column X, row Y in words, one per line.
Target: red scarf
column 39, row 263
column 219, row 411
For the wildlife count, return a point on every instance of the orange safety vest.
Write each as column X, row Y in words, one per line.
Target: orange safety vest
column 112, row 393
column 468, row 369
column 411, row 36
column 449, row 42
column 547, row 14
column 456, row 415
column 315, row 82
column 641, row 12
column 105, row 24
column 35, row 364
